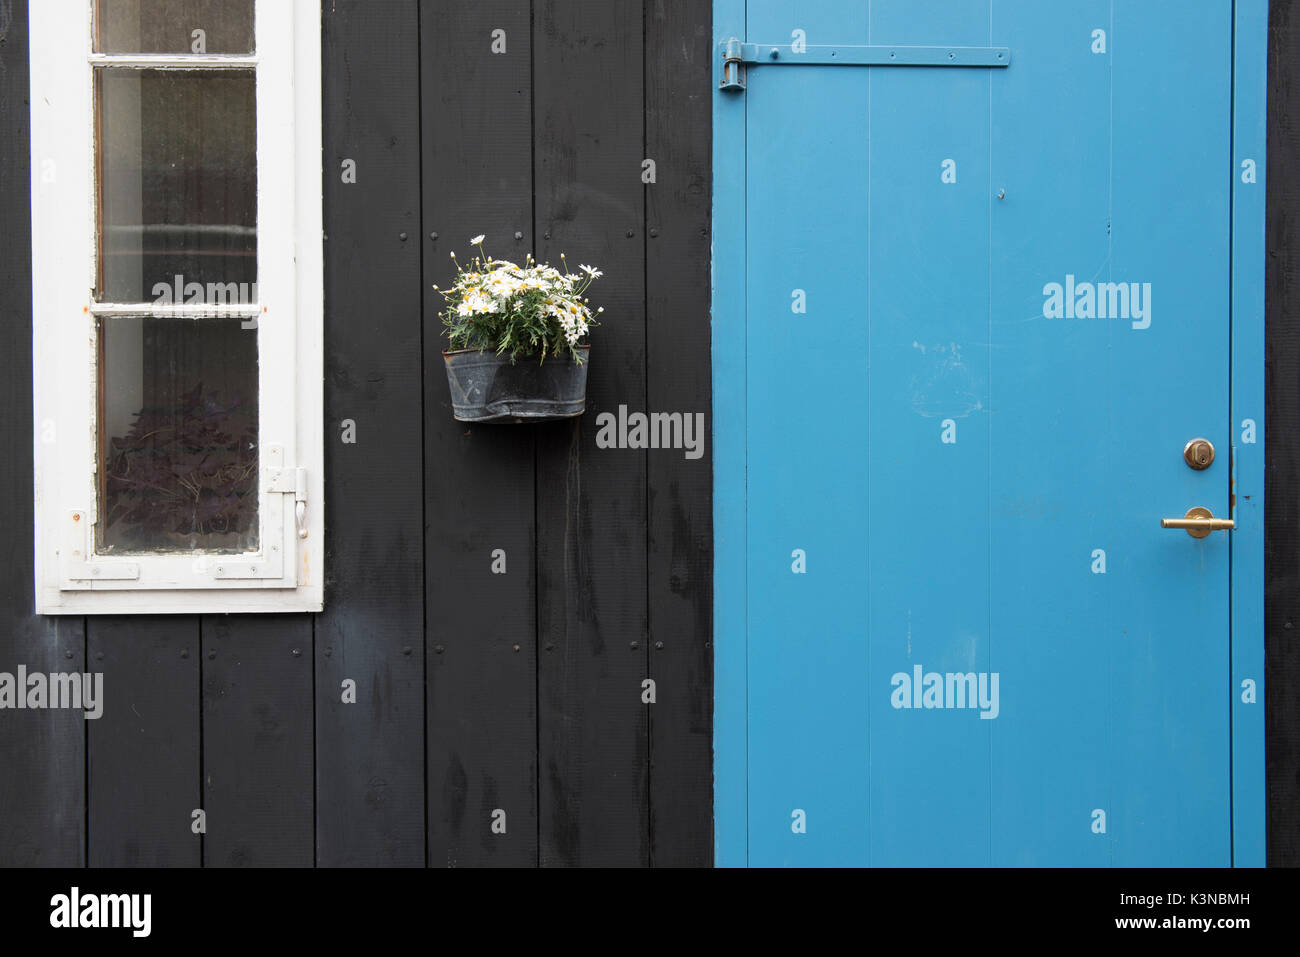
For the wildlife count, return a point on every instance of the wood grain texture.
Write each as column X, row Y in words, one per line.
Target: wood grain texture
column 533, row 702
column 482, row 635
column 1282, row 453
column 143, row 776
column 257, row 740
column 370, row 755
column 42, row 753
column 591, row 503
column 680, row 490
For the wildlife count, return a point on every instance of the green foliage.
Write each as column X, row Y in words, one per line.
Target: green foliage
column 533, row 310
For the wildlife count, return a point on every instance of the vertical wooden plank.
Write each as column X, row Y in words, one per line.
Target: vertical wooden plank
column 257, row 740
column 679, row 481
column 1249, row 121
column 42, row 753
column 727, row 319
column 591, row 502
column 809, row 727
column 1024, row 545
column 143, row 751
column 370, row 754
column 481, row 625
column 1282, row 469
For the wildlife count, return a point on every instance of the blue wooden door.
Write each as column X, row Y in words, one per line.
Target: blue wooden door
column 987, row 307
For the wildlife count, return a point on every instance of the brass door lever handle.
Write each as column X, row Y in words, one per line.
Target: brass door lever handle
column 1199, row 522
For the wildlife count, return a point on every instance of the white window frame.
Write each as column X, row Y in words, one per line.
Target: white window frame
column 287, row 572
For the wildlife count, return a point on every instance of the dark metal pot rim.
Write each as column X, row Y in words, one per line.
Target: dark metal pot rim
column 448, row 353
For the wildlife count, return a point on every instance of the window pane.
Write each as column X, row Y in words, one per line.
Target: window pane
column 178, row 460
column 169, row 26
column 178, row 184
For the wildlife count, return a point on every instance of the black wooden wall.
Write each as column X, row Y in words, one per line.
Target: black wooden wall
column 1282, row 452
column 477, row 692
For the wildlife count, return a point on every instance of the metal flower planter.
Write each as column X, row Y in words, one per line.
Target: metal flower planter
column 486, row 387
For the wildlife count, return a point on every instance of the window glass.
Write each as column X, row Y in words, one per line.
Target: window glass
column 178, row 434
column 174, row 26
column 178, row 183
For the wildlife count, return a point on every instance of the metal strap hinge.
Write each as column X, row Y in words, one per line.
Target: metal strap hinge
column 736, row 55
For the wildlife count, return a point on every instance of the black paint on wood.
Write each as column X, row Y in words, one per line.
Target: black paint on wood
column 679, row 566
column 1282, row 451
column 370, row 754
column 479, row 508
column 533, row 704
column 42, row 753
column 591, row 503
column 143, row 777
column 257, row 740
